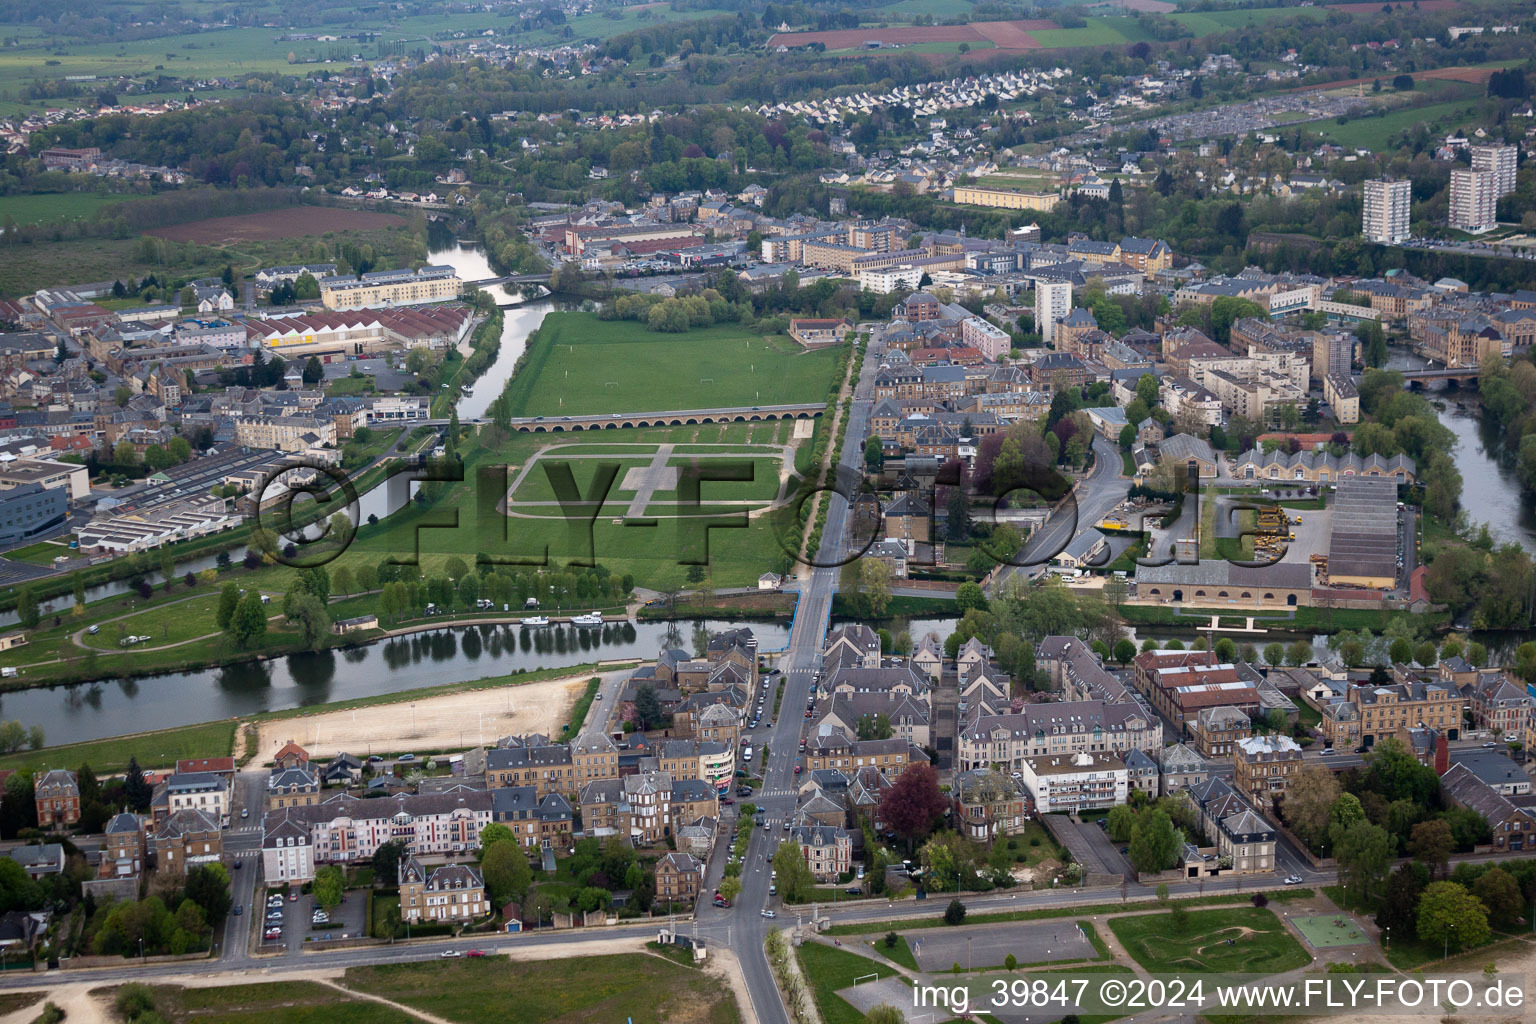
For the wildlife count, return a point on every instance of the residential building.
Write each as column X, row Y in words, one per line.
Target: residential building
column 1218, row 730
column 1371, row 712
column 452, row 893
column 828, row 851
column 1264, row 766
column 57, row 798
column 1384, row 218
column 1499, row 706
column 538, row 823
column 1057, row 729
column 346, row 829
column 187, row 839
column 1053, row 303
column 679, row 877
column 1245, row 841
column 391, row 288
column 123, row 852
column 203, row 791
column 1501, row 161
column 1075, row 782
column 1342, row 396
column 1179, row 767
column 1474, row 200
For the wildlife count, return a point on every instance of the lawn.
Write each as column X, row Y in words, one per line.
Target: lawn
column 1204, row 23
column 43, row 552
column 580, row 365
column 1236, row 940
column 827, row 969
column 157, row 749
column 303, row 1002
column 49, row 207
column 167, row 624
column 644, row 989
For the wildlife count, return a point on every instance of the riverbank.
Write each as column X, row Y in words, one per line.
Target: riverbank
column 163, row 747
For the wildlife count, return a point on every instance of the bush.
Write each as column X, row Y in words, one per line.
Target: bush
column 954, row 913
column 134, row 1000
column 891, row 938
column 1260, row 900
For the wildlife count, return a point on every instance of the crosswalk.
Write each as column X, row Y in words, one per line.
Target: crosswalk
column 776, row 792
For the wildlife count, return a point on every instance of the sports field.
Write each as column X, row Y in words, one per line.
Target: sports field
column 471, row 519
column 580, row 365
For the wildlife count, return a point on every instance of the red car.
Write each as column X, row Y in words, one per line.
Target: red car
column 475, row 952
column 797, row 769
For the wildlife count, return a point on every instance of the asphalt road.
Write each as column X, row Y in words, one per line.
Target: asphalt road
column 1099, row 492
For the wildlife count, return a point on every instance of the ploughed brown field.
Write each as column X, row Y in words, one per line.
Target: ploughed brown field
column 1005, row 35
column 294, row 222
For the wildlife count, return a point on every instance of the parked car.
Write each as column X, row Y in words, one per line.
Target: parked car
column 272, row 933
column 475, row 953
column 854, row 890
column 450, row 954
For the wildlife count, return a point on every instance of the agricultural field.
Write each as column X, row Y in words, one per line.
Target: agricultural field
column 580, row 365
column 273, row 225
column 33, row 265
column 52, row 207
column 234, row 52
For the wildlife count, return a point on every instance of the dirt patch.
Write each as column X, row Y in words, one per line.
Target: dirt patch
column 453, row 721
column 296, row 221
column 1006, row 35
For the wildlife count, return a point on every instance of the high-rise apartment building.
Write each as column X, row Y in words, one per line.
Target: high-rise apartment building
column 1053, row 303
column 1474, row 199
column 1385, row 215
column 1502, row 161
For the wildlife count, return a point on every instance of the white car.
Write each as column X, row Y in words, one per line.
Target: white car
column 1293, row 880
column 769, row 913
column 450, row 954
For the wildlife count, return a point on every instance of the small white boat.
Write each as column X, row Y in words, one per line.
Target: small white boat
column 590, row 619
column 536, row 620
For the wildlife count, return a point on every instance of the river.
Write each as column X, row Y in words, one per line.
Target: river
column 87, row 711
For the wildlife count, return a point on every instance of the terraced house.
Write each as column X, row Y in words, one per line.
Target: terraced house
column 1369, row 713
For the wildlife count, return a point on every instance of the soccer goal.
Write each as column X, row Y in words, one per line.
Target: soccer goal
column 861, row 979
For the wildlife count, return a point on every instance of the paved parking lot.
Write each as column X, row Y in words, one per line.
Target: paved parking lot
column 346, row 921
column 1030, row 942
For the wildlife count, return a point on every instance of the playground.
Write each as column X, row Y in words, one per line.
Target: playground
column 1329, row 931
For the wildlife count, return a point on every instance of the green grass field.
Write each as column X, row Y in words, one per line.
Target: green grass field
column 304, row 1002
column 1375, row 132
column 828, row 969
column 153, row 749
column 645, row 989
column 172, row 624
column 51, row 207
column 581, row 365
column 1204, row 23
column 1260, row 943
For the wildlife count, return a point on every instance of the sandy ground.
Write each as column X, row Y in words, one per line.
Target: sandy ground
column 450, row 722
